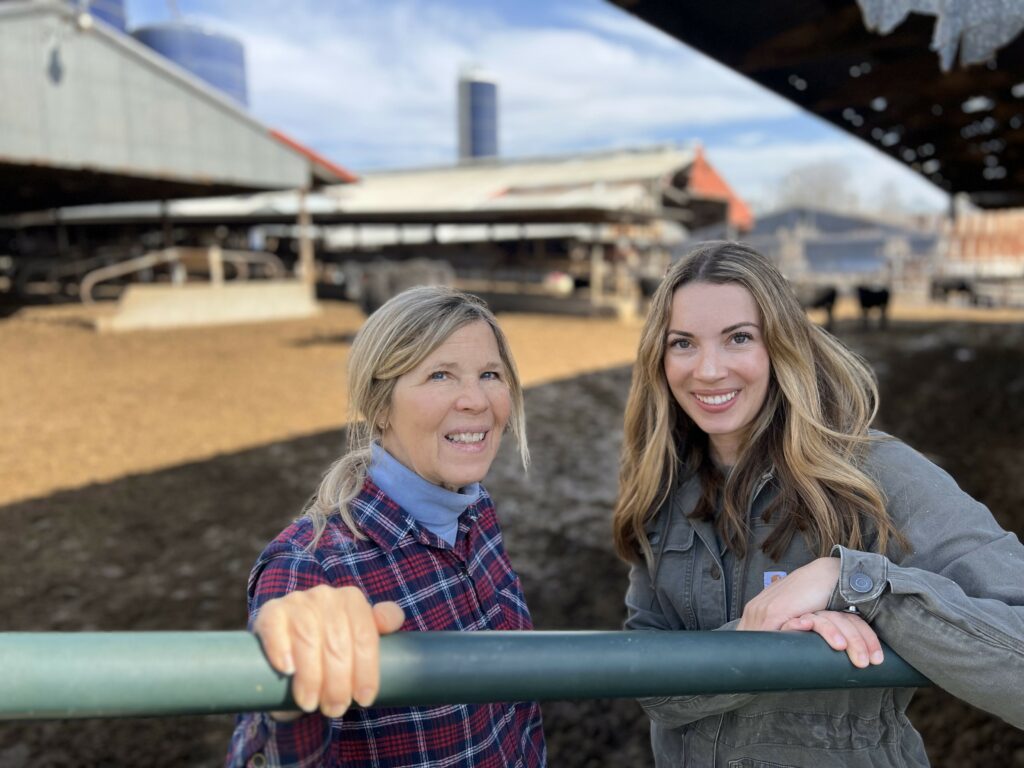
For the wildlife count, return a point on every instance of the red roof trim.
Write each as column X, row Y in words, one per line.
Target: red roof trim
column 343, row 174
column 705, row 181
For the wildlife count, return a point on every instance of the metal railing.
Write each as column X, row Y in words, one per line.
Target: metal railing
column 181, row 260
column 125, row 674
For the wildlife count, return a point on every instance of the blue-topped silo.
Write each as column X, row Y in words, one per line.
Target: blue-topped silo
column 478, row 115
column 216, row 58
column 109, row 11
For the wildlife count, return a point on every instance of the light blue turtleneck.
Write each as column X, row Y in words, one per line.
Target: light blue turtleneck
column 435, row 508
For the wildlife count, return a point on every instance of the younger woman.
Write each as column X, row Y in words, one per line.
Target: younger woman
column 754, row 497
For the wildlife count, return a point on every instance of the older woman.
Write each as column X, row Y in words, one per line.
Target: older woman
column 401, row 535
column 754, row 497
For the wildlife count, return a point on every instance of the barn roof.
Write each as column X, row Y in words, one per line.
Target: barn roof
column 962, row 129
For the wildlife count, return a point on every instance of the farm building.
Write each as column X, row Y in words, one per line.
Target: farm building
column 102, row 118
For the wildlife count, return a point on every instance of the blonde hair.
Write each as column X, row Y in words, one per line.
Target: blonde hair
column 395, row 339
column 810, row 433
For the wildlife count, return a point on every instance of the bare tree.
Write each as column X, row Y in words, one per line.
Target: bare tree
column 821, row 184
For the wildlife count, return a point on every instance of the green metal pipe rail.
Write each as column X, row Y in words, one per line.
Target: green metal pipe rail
column 131, row 674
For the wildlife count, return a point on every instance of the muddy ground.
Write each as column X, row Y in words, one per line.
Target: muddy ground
column 171, row 548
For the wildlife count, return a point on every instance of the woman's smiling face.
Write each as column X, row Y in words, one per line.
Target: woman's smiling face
column 716, row 362
column 447, row 414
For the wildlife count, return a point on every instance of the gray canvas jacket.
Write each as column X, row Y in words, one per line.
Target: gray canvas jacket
column 953, row 607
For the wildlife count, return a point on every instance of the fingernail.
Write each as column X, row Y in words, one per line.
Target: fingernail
column 335, row 711
column 287, row 664
column 364, row 697
column 862, row 660
column 877, row 657
column 305, row 701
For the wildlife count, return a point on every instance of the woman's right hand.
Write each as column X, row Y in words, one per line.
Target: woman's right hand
column 328, row 638
column 806, row 590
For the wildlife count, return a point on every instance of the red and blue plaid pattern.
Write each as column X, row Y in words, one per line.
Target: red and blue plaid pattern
column 470, row 586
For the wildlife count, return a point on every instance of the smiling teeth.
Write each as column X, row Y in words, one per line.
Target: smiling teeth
column 715, row 399
column 466, row 437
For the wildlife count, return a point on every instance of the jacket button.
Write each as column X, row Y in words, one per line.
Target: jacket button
column 861, row 582
column 716, row 572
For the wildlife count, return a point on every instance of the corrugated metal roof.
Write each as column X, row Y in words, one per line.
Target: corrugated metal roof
column 625, row 185
column 624, row 179
column 101, row 118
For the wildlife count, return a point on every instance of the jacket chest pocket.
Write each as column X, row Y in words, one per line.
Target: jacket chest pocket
column 763, row 570
column 676, row 567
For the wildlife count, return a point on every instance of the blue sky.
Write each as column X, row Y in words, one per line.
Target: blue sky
column 371, row 84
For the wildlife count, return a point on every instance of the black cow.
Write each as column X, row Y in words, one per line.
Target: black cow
column 818, row 297
column 942, row 287
column 873, row 297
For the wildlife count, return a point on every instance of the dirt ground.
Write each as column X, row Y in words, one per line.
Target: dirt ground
column 143, row 473
column 80, row 407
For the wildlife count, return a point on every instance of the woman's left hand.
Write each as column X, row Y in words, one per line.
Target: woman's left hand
column 804, row 591
column 843, row 632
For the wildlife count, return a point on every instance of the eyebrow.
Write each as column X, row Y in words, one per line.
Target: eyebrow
column 728, row 329
column 452, row 364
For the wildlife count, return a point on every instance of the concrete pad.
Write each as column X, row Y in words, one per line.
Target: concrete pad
column 150, row 307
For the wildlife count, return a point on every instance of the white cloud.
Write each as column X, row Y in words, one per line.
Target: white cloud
column 616, row 23
column 373, row 85
column 565, row 86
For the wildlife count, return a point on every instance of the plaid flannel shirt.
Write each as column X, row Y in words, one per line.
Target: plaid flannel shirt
column 470, row 586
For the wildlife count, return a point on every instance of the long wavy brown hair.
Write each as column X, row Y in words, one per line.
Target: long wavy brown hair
column 810, row 434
